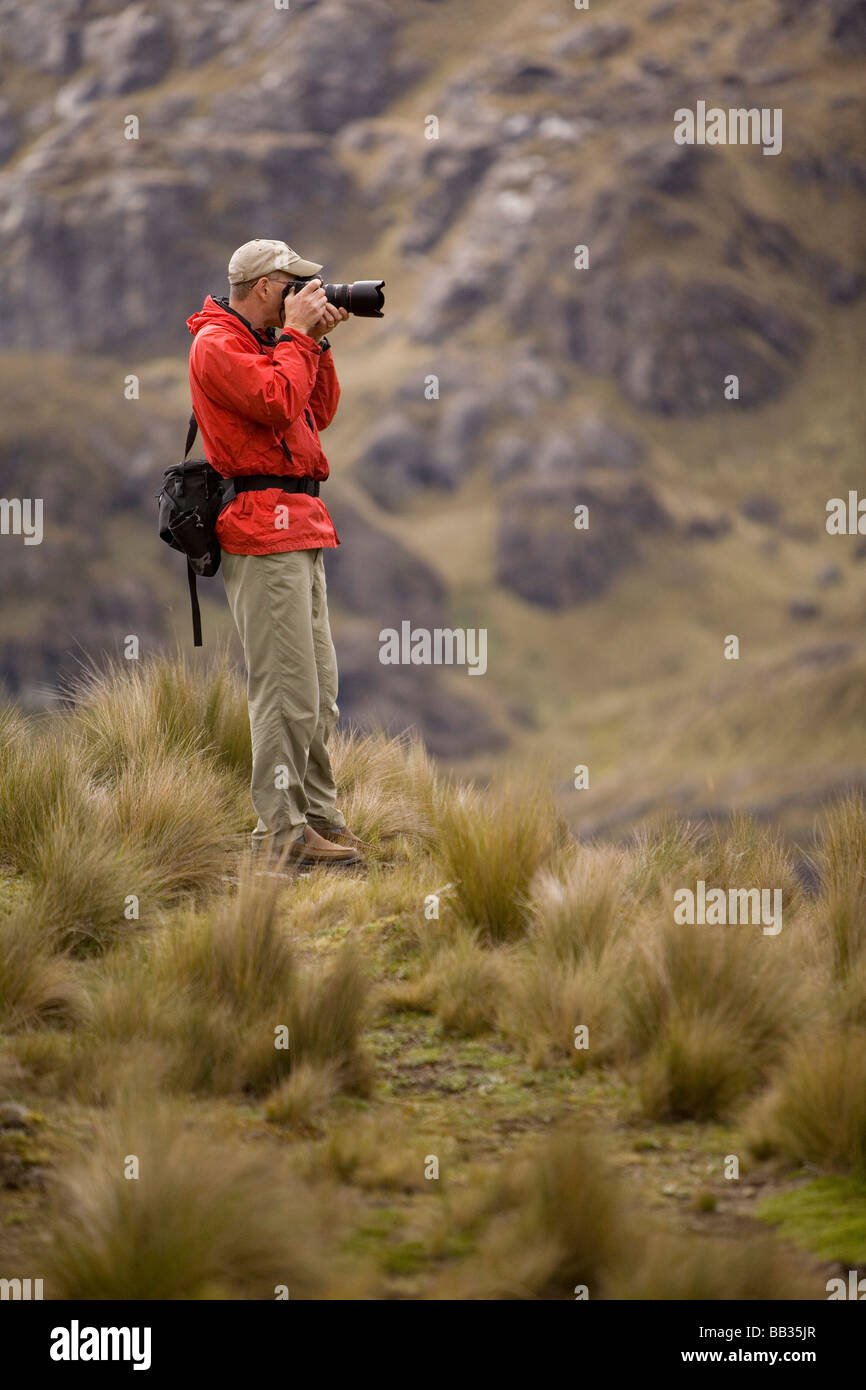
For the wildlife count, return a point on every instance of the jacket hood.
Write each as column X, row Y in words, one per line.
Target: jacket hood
column 216, row 310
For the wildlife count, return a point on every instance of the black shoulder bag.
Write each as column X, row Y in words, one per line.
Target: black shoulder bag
column 192, row 496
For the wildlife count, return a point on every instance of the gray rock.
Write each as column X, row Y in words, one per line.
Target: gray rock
column 373, row 575
column 133, row 49
column 542, row 558
column 775, row 242
column 336, row 66
column 831, row 167
column 829, row 575
column 8, row 130
column 511, row 455
column 75, row 97
column 828, row 654
column 398, row 698
column 601, row 444
column 670, row 171
column 526, row 384
column 761, row 508
column 14, row 1116
column 209, row 26
column 451, row 176
column 656, row 67
column 47, row 44
column 671, row 345
column 848, row 25
column 707, row 526
column 554, row 458
column 397, row 461
column 804, row 609
column 521, row 76
column 594, row 41
column 463, row 419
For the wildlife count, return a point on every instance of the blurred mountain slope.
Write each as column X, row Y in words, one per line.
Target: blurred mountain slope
column 556, row 386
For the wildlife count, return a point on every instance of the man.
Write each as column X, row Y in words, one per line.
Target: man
column 263, row 384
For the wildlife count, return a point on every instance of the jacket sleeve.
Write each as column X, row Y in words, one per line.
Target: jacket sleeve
column 272, row 391
column 326, row 392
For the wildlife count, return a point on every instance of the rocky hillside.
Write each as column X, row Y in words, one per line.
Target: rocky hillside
column 555, row 386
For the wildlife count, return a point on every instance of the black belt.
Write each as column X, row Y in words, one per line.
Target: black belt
column 260, row 482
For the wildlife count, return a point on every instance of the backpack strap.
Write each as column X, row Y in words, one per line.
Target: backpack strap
column 190, row 572
column 193, row 603
column 190, row 434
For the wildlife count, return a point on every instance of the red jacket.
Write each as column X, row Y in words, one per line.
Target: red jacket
column 248, row 395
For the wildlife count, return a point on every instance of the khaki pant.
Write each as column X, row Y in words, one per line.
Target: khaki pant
column 280, row 607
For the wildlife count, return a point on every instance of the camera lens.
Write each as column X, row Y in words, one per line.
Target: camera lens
column 364, row 298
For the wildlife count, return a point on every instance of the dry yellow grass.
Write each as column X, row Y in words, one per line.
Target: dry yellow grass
column 816, row 1110
column 153, row 1211
column 484, row 921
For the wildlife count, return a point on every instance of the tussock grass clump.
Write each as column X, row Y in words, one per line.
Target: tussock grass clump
column 176, row 814
column 386, row 784
column 41, row 772
column 468, row 989
column 459, row 981
column 221, row 990
column 671, row 1267
column 387, row 898
column 547, row 1000
column 563, row 973
column 204, row 1219
column 816, row 1110
column 579, row 914
column 491, row 844
column 709, row 971
column 736, row 852
column 373, row 1152
column 547, row 1222
column 305, row 1094
column 686, row 989
column 739, row 852
column 841, row 863
column 37, row 987
column 128, row 711
column 697, row 1069
column 82, row 884
column 327, row 1018
column 848, row 997
column 663, row 852
column 567, row 973
column 102, row 865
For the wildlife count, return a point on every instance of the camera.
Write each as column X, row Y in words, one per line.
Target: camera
column 364, row 298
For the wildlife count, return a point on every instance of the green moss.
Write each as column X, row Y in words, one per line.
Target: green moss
column 405, row 1259
column 827, row 1216
column 705, row 1201
column 22, row 1145
column 370, row 1237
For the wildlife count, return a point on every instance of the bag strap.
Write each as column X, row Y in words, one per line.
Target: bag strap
column 190, row 435
column 193, row 603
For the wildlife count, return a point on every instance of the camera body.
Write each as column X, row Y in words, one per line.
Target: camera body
column 363, row 298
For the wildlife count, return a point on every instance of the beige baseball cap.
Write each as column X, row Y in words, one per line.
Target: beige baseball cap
column 261, row 257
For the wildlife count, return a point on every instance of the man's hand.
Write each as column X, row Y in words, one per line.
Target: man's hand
column 328, row 322
column 305, row 309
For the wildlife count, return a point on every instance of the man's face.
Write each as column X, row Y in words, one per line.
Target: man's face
column 271, row 289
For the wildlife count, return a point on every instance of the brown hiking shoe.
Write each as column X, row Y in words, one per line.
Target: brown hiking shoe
column 342, row 835
column 312, row 848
